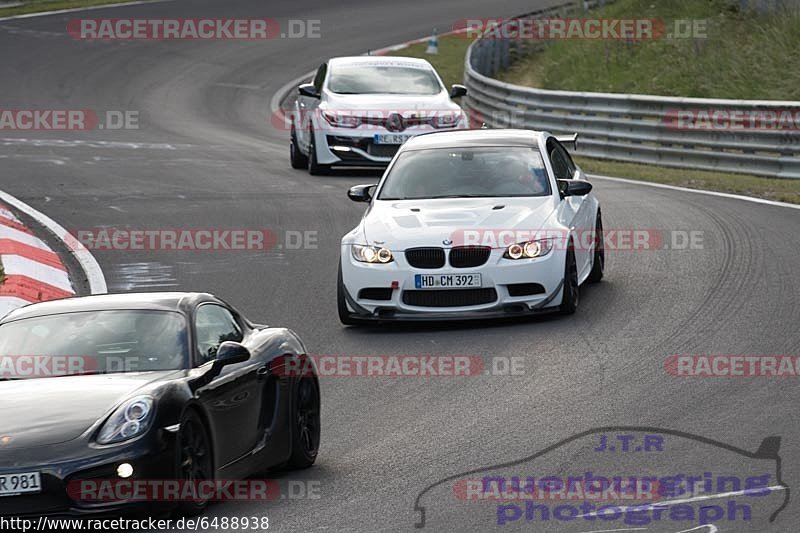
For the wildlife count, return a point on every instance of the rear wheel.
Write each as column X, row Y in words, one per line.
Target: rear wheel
column 305, row 423
column 599, row 261
column 571, row 290
column 298, row 159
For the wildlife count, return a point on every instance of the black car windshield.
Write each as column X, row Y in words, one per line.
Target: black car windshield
column 92, row 342
column 480, row 172
column 359, row 78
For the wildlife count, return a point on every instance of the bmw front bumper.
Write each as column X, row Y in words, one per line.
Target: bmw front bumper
column 509, row 288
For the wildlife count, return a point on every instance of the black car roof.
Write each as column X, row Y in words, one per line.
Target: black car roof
column 157, row 301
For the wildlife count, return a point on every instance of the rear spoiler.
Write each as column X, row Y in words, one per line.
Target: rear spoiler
column 570, row 140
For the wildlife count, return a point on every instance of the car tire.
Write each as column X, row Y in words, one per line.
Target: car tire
column 599, row 260
column 571, row 291
column 314, row 168
column 297, row 158
column 305, row 423
column 341, row 301
column 195, row 460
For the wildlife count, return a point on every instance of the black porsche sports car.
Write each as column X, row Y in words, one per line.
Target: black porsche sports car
column 152, row 386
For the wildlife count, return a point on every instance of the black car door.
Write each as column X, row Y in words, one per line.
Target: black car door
column 233, row 399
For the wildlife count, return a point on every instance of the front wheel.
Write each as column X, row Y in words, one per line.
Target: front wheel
column 195, row 462
column 297, row 158
column 305, row 423
column 314, row 168
column 599, row 261
column 571, row 290
column 341, row 301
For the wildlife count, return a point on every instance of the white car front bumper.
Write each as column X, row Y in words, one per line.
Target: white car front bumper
column 508, row 288
column 357, row 147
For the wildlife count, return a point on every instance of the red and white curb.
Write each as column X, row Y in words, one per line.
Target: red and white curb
column 33, row 271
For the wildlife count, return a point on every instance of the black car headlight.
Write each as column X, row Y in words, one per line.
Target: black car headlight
column 529, row 250
column 131, row 419
column 372, row 254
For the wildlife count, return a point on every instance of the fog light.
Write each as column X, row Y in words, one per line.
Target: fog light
column 125, row 470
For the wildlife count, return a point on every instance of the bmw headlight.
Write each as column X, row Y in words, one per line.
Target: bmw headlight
column 372, row 254
column 131, row 419
column 529, row 250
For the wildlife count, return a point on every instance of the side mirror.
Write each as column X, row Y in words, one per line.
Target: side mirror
column 360, row 193
column 574, row 187
column 308, row 89
column 230, row 353
column 457, row 91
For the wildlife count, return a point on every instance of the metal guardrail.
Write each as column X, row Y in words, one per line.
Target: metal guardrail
column 632, row 128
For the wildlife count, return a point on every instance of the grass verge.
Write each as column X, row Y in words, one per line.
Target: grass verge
column 732, row 54
column 782, row 190
column 37, row 6
column 450, row 64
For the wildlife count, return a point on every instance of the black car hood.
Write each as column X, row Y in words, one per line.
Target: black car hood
column 38, row 412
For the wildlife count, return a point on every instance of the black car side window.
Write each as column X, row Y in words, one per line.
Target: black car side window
column 214, row 325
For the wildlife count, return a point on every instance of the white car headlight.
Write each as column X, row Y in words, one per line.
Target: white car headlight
column 529, row 250
column 341, row 121
column 131, row 419
column 446, row 120
column 372, row 254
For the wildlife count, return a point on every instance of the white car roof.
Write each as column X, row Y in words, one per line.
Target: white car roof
column 478, row 137
column 381, row 61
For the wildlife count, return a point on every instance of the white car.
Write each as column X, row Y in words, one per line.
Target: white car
column 472, row 224
column 359, row 110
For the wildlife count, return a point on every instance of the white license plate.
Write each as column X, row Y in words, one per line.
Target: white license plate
column 390, row 138
column 447, row 281
column 24, row 482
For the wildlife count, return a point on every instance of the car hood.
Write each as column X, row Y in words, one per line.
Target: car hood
column 388, row 103
column 404, row 224
column 37, row 412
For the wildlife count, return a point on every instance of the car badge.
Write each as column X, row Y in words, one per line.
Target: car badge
column 447, row 242
column 394, row 122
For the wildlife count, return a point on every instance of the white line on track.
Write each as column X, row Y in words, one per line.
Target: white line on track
column 670, row 503
column 699, row 191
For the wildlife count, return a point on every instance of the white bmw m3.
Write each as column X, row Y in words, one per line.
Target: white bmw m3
column 472, row 224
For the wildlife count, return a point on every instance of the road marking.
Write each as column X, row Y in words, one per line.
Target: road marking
column 670, row 503
column 699, row 191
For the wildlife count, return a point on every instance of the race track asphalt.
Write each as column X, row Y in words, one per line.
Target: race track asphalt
column 206, row 155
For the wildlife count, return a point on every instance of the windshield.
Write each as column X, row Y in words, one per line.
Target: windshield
column 383, row 79
column 480, row 172
column 92, row 342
